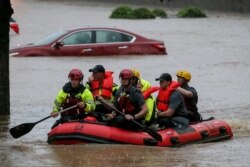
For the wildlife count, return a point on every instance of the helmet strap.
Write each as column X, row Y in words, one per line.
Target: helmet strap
column 135, row 81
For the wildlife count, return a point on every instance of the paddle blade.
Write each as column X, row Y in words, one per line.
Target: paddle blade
column 21, row 130
column 153, row 133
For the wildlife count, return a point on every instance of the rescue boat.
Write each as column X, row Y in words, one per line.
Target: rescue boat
column 96, row 132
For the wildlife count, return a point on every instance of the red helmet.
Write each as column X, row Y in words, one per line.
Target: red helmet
column 76, row 74
column 126, row 74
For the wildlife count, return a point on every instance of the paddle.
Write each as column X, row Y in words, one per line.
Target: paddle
column 151, row 132
column 25, row 128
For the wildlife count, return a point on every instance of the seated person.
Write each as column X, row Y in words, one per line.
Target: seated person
column 130, row 101
column 190, row 95
column 101, row 85
column 72, row 93
column 171, row 109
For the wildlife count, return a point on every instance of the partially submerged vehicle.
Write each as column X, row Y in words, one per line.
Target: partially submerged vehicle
column 98, row 41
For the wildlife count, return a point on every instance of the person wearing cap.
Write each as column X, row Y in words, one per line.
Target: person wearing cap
column 189, row 93
column 171, row 109
column 72, row 93
column 144, row 85
column 102, row 86
column 130, row 101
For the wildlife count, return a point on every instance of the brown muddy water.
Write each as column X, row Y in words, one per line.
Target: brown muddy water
column 215, row 50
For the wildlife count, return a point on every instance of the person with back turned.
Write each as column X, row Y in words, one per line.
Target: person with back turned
column 189, row 93
column 144, row 86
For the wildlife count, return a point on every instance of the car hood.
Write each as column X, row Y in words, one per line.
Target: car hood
column 26, row 46
column 23, row 46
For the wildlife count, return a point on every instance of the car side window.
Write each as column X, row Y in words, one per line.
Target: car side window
column 126, row 38
column 111, row 36
column 82, row 37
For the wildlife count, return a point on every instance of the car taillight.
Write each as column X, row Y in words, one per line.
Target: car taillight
column 160, row 46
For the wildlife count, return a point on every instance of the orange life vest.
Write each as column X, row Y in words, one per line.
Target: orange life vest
column 151, row 90
column 162, row 99
column 106, row 86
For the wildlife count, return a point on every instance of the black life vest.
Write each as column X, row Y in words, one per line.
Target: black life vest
column 73, row 98
column 125, row 102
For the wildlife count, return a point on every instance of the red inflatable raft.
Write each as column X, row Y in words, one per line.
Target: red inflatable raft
column 94, row 132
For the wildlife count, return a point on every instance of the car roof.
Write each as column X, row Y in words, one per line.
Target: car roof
column 101, row 28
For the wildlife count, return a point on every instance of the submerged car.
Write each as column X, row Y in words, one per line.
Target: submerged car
column 91, row 42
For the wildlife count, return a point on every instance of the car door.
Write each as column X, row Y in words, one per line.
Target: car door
column 112, row 42
column 79, row 43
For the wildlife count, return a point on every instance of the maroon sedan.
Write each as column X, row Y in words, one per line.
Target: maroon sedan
column 91, row 42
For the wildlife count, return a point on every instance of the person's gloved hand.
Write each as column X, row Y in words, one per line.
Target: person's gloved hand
column 157, row 112
column 129, row 117
column 81, row 104
column 98, row 97
column 111, row 115
column 54, row 114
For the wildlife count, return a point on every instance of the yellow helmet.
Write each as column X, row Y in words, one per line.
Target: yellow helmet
column 136, row 73
column 184, row 74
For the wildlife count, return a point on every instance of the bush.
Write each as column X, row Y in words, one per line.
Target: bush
column 142, row 13
column 191, row 11
column 123, row 12
column 160, row 13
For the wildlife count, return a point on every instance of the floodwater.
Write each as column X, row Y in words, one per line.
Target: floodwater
column 215, row 50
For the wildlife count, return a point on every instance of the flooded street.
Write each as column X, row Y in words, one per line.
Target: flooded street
column 215, row 50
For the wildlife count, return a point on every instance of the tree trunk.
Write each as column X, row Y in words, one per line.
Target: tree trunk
column 5, row 13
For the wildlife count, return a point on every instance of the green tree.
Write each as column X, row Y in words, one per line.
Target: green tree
column 5, row 13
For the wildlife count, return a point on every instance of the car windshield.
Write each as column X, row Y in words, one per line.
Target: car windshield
column 48, row 39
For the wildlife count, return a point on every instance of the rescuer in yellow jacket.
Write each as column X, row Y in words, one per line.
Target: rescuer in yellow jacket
column 143, row 86
column 73, row 93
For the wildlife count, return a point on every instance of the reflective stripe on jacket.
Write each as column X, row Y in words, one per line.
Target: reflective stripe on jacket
column 150, row 101
column 64, row 99
column 151, row 108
